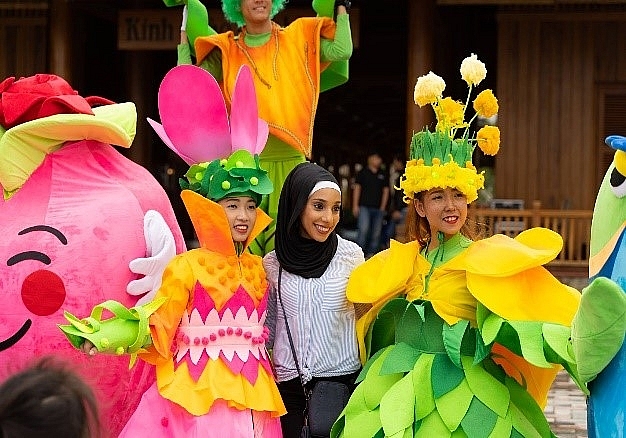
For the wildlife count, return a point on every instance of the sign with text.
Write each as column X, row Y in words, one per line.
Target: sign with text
column 148, row 29
column 159, row 29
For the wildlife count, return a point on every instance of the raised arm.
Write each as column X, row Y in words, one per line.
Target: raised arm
column 340, row 48
column 195, row 23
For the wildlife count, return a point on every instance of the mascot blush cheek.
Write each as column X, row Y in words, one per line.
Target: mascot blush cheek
column 73, row 216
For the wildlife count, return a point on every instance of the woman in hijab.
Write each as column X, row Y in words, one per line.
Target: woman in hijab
column 308, row 272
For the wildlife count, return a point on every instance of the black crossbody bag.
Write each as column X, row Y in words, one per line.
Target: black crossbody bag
column 325, row 401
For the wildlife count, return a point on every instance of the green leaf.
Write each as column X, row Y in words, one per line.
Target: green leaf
column 487, row 388
column 453, row 406
column 397, row 406
column 381, row 333
column 479, row 421
column 400, row 359
column 432, row 426
column 409, row 328
column 375, row 385
column 558, row 338
column 482, row 350
column 452, row 338
column 424, row 399
column 445, row 376
column 242, row 156
column 367, row 366
column 531, row 340
column 363, row 423
column 490, row 328
column 482, row 313
column 527, row 417
column 419, row 306
column 502, row 428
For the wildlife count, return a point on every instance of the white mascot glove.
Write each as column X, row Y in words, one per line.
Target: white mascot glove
column 160, row 249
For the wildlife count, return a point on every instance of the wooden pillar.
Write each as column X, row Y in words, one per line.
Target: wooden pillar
column 421, row 59
column 60, row 39
column 139, row 93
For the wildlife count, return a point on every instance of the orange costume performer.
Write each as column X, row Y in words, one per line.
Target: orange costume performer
column 291, row 65
column 289, row 106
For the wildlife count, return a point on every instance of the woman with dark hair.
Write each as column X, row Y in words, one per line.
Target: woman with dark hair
column 48, row 400
column 308, row 272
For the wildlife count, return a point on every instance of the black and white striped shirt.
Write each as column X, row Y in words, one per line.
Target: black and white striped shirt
column 321, row 319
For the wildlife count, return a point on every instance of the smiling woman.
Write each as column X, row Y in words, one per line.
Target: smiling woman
column 464, row 337
column 310, row 318
column 321, row 214
column 241, row 215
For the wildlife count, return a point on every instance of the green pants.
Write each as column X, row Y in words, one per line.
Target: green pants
column 278, row 159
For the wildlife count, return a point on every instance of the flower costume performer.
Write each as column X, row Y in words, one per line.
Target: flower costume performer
column 204, row 329
column 464, row 337
column 292, row 65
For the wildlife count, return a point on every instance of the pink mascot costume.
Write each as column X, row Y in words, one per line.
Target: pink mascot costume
column 80, row 224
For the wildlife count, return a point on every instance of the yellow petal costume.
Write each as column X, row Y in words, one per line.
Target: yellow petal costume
column 463, row 340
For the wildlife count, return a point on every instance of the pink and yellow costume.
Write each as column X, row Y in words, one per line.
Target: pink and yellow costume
column 209, row 338
column 204, row 329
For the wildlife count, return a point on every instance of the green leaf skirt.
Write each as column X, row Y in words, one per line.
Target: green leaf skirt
column 426, row 378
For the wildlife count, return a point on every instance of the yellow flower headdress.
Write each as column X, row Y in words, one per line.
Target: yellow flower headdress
column 440, row 159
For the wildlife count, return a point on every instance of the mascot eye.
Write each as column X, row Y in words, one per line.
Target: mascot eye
column 618, row 183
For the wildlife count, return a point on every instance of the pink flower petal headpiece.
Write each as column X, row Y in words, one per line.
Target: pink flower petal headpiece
column 194, row 119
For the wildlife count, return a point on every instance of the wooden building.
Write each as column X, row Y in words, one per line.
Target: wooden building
column 558, row 68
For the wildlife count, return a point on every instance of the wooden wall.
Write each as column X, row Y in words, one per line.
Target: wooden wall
column 23, row 38
column 562, row 89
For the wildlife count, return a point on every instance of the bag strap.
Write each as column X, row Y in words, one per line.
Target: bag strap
column 293, row 349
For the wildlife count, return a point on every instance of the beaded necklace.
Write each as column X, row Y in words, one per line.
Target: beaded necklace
column 243, row 48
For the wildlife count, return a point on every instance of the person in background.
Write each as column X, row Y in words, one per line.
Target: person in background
column 396, row 213
column 369, row 203
column 45, row 400
column 308, row 271
column 291, row 66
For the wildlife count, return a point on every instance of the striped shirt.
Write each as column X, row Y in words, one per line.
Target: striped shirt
column 321, row 319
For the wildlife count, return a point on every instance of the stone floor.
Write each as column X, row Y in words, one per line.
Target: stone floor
column 566, row 409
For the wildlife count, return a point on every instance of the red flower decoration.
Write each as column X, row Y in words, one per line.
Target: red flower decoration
column 38, row 96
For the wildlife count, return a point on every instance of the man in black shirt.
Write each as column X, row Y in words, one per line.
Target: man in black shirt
column 369, row 203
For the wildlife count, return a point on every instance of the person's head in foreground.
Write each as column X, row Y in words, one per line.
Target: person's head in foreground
column 47, row 400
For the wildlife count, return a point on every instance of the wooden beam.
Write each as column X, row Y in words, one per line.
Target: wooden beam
column 421, row 59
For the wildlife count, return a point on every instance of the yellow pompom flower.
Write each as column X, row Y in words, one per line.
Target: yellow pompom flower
column 419, row 178
column 450, row 114
column 428, row 89
column 486, row 104
column 488, row 139
column 473, row 71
